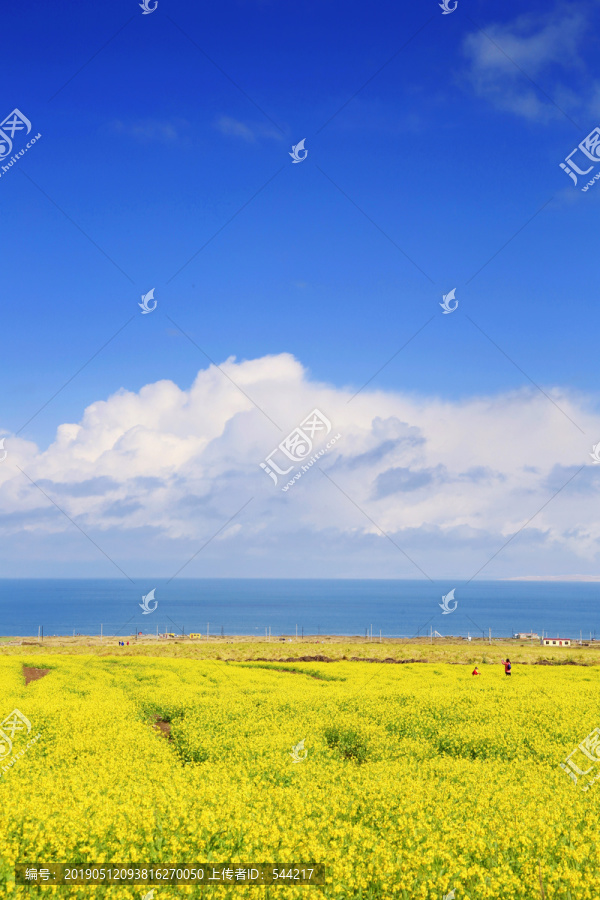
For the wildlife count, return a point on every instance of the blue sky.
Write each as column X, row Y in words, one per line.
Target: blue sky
column 434, row 144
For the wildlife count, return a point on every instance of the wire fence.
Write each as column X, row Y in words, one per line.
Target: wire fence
column 170, row 631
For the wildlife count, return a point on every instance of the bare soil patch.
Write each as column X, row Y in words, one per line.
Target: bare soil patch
column 163, row 727
column 386, row 660
column 32, row 674
column 291, row 659
column 319, row 658
column 558, row 662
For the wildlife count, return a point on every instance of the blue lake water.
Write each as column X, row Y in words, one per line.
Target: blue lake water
column 248, row 606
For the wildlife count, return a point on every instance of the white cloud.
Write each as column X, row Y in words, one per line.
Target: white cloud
column 161, row 471
column 545, row 48
column 163, row 131
column 251, row 132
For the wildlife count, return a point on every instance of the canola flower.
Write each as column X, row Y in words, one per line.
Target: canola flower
column 418, row 779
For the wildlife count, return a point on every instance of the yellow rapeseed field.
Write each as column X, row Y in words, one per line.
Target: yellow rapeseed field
column 418, row 779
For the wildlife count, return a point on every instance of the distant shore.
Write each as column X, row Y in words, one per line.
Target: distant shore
column 211, row 639
column 566, row 578
column 315, row 648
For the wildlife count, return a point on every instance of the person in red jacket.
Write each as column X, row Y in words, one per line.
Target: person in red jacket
column 475, row 671
column 507, row 666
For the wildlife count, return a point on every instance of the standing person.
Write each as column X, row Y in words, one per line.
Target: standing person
column 507, row 665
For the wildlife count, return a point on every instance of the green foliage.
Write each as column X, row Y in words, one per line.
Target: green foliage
column 349, row 743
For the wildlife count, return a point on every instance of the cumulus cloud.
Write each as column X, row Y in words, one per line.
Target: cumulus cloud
column 164, row 471
column 546, row 48
column 402, row 479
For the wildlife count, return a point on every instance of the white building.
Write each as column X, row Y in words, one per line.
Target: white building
column 556, row 642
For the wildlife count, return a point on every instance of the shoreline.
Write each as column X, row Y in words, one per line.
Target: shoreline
column 288, row 638
column 313, row 649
